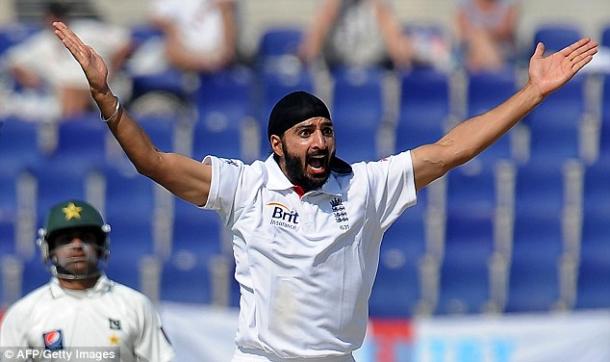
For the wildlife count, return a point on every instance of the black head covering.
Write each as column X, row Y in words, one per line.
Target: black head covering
column 297, row 107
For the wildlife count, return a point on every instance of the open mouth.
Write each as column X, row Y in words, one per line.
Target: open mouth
column 318, row 164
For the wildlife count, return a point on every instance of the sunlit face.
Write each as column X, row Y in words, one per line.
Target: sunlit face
column 305, row 151
column 76, row 251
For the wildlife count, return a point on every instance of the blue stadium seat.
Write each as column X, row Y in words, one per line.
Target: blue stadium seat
column 128, row 195
column 596, row 193
column 606, row 100
column 276, row 84
column 227, row 92
column 469, row 244
column 35, row 273
column 160, row 129
column 55, row 184
column 170, row 81
column 593, row 289
column 556, row 36
column 424, row 108
column 539, row 189
column 130, row 240
column 534, row 273
column 8, row 195
column 555, row 124
column 7, row 237
column 218, row 135
column 81, row 142
column 488, row 89
column 397, row 289
column 279, row 41
column 196, row 230
column 18, row 144
column 605, row 36
column 357, row 112
column 472, row 188
column 186, row 278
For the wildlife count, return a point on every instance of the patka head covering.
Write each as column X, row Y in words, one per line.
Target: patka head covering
column 297, row 107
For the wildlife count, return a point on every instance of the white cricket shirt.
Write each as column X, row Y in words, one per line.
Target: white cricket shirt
column 306, row 265
column 107, row 315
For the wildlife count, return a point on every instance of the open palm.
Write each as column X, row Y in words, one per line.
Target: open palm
column 551, row 72
column 92, row 63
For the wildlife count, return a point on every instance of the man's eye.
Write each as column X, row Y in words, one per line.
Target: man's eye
column 328, row 131
column 305, row 133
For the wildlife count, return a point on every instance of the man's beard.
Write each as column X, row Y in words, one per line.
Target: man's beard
column 295, row 170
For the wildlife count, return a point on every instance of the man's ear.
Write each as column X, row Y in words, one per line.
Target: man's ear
column 276, row 145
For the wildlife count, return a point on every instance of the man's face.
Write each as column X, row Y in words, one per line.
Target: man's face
column 305, row 152
column 76, row 251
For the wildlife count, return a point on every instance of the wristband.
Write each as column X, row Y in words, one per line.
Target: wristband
column 114, row 114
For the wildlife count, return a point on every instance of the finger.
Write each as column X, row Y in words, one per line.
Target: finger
column 582, row 56
column 539, row 50
column 67, row 33
column 578, row 66
column 585, row 48
column 569, row 49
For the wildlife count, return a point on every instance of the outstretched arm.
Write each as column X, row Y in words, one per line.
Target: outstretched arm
column 184, row 177
column 474, row 135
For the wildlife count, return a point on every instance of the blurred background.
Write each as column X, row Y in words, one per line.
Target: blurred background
column 505, row 259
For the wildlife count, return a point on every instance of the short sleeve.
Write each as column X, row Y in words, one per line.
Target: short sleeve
column 226, row 175
column 12, row 332
column 153, row 345
column 392, row 187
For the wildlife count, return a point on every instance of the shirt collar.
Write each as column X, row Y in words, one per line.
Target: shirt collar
column 277, row 180
column 102, row 286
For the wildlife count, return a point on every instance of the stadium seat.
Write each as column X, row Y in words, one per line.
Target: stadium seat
column 539, row 189
column 556, row 36
column 18, row 144
column 81, row 143
column 7, row 237
column 593, row 289
column 597, row 189
column 555, row 124
column 534, row 272
column 57, row 182
column 357, row 112
column 186, row 278
column 469, row 244
column 8, row 194
column 279, row 41
column 227, row 92
column 472, row 188
column 397, row 288
column 128, row 195
column 424, row 108
column 160, row 129
column 606, row 99
column 196, row 230
column 35, row 274
column 218, row 135
column 488, row 89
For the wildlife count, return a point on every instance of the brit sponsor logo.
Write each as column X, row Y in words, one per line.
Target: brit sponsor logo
column 283, row 216
column 53, row 340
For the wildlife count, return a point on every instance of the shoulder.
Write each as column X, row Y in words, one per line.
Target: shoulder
column 24, row 306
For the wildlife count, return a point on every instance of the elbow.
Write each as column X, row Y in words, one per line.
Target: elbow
column 151, row 166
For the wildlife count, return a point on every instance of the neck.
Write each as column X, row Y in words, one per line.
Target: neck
column 79, row 284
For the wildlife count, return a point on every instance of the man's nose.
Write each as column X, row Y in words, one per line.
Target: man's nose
column 319, row 140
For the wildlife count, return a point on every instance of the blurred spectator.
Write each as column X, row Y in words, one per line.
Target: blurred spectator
column 51, row 82
column 486, row 29
column 357, row 33
column 199, row 35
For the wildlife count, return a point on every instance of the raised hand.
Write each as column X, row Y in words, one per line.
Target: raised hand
column 92, row 63
column 551, row 72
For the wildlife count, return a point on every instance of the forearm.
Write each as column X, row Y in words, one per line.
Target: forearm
column 474, row 135
column 128, row 133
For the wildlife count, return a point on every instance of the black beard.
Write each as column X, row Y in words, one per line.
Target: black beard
column 295, row 172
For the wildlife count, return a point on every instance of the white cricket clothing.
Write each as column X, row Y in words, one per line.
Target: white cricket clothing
column 107, row 315
column 306, row 265
column 50, row 60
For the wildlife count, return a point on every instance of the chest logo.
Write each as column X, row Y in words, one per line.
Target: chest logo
column 115, row 324
column 283, row 216
column 339, row 212
column 53, row 340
